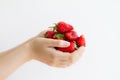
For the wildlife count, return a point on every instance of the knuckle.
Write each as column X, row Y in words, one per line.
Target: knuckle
column 51, row 63
column 71, row 60
column 59, row 42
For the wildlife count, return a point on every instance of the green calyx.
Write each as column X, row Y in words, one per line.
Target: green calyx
column 45, row 35
column 75, row 45
column 58, row 36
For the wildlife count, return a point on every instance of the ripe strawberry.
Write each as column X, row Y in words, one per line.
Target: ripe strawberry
column 81, row 41
column 71, row 36
column 50, row 34
column 70, row 49
column 64, row 31
column 63, row 27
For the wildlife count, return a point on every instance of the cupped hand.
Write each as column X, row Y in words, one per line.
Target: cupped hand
column 42, row 49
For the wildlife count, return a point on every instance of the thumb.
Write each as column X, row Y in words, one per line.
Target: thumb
column 55, row 43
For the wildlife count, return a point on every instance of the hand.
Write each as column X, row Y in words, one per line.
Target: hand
column 39, row 48
column 43, row 50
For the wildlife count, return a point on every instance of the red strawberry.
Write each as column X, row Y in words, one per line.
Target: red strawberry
column 50, row 34
column 70, row 49
column 63, row 27
column 81, row 41
column 71, row 36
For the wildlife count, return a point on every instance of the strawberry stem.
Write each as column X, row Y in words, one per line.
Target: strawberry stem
column 55, row 27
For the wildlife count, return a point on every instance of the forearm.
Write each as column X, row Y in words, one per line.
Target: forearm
column 12, row 59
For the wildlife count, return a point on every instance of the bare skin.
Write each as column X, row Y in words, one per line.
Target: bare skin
column 38, row 48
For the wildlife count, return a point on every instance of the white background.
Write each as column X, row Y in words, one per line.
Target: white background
column 98, row 20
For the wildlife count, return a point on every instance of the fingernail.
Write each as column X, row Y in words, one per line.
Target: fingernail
column 67, row 44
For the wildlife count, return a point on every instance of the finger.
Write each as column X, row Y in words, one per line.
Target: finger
column 58, row 43
column 59, row 61
column 60, row 58
column 77, row 54
column 61, row 66
column 63, row 63
column 53, row 42
column 59, row 54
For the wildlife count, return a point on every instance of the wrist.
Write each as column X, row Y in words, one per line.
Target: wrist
column 29, row 49
column 26, row 48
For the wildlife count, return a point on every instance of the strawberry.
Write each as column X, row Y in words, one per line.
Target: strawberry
column 50, row 34
column 63, row 27
column 64, row 31
column 70, row 48
column 71, row 35
column 81, row 41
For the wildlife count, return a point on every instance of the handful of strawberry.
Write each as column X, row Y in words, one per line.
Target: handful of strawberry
column 65, row 31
